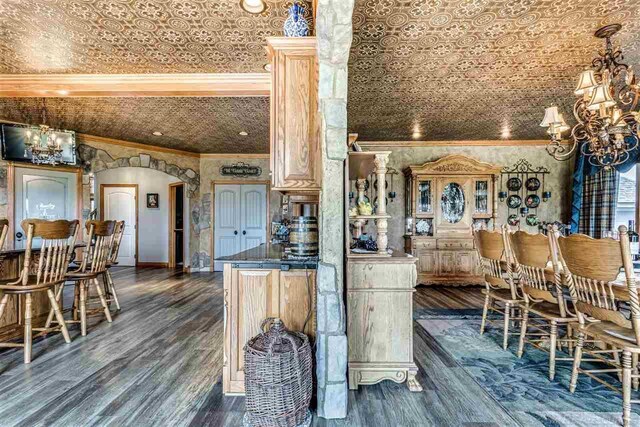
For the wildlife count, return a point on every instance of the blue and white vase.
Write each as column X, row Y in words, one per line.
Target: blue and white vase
column 296, row 24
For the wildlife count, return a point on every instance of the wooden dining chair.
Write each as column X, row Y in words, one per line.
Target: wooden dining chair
column 42, row 270
column 500, row 287
column 536, row 265
column 94, row 262
column 592, row 269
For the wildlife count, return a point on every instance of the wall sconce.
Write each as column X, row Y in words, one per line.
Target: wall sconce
column 392, row 195
column 502, row 195
column 524, row 212
column 546, row 195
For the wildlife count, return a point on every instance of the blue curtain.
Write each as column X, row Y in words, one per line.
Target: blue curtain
column 584, row 168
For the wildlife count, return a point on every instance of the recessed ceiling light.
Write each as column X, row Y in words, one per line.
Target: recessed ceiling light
column 253, row 6
column 506, row 133
column 158, row 133
column 63, row 92
column 243, row 133
column 267, row 67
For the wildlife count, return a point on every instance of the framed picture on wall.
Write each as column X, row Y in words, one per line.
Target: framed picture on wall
column 153, row 200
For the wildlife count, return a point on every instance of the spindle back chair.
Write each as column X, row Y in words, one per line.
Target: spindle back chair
column 592, row 268
column 499, row 279
column 42, row 270
column 94, row 263
column 536, row 264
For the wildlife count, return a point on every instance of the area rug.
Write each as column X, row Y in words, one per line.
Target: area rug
column 521, row 386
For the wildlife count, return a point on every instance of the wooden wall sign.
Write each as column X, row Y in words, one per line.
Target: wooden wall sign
column 240, row 169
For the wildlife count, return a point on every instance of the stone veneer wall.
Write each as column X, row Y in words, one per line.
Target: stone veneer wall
column 97, row 156
column 201, row 212
column 334, row 35
column 558, row 181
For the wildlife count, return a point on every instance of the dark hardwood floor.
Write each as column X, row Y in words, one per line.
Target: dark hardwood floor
column 160, row 363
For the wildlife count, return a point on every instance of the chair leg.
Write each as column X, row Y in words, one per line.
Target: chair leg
column 103, row 301
column 28, row 331
column 570, row 340
column 3, row 304
column 76, row 301
column 626, row 388
column 505, row 339
column 616, row 357
column 485, row 311
column 112, row 289
column 577, row 357
column 83, row 307
column 57, row 297
column 56, row 309
column 523, row 331
column 635, row 381
column 552, row 350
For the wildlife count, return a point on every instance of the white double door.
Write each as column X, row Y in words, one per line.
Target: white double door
column 239, row 219
column 44, row 194
column 119, row 203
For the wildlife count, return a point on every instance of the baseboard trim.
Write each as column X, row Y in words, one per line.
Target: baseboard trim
column 153, row 264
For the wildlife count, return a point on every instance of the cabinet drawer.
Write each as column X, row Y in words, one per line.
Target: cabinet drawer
column 455, row 244
column 424, row 244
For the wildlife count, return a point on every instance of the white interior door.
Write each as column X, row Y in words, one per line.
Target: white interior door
column 120, row 204
column 253, row 213
column 239, row 220
column 44, row 194
column 226, row 222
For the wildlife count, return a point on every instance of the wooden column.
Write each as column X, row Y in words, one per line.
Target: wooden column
column 381, row 170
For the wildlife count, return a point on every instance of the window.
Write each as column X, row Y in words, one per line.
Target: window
column 627, row 191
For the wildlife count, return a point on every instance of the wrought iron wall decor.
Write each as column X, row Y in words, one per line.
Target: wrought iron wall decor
column 522, row 186
column 240, row 170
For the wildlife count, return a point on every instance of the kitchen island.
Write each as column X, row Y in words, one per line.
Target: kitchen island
column 260, row 283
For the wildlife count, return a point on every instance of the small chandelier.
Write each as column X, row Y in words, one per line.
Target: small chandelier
column 43, row 143
column 607, row 128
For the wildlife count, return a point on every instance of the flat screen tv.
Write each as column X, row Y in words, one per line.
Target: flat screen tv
column 14, row 149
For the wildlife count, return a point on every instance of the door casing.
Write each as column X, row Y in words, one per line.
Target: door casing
column 172, row 237
column 266, row 183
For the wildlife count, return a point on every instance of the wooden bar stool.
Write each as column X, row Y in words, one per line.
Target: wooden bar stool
column 94, row 262
column 110, row 288
column 41, row 273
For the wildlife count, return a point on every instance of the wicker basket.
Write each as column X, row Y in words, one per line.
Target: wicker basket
column 277, row 377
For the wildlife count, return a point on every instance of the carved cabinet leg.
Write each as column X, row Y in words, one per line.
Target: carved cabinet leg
column 412, row 382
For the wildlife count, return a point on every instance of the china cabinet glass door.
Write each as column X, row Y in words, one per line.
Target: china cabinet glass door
column 481, row 196
column 424, row 199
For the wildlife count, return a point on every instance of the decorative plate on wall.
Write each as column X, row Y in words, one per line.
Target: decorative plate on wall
column 513, row 220
column 532, row 184
column 514, row 184
column 532, row 201
column 532, row 220
column 514, row 201
column 423, row 227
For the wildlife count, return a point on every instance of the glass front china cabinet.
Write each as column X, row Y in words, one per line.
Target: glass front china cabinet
column 445, row 201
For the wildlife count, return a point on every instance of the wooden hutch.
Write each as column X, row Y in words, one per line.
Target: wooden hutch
column 445, row 201
column 380, row 288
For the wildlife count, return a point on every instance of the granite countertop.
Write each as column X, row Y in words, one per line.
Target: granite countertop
column 267, row 254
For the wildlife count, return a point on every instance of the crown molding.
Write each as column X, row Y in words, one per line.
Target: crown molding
column 124, row 85
column 88, row 139
column 238, row 156
column 467, row 143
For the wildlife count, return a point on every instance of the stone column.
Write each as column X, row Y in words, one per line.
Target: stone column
column 333, row 32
